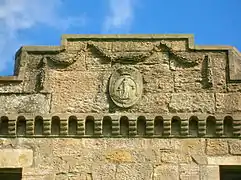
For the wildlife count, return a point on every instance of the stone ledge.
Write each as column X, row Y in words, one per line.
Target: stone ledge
column 16, row 158
column 10, row 79
column 224, row 160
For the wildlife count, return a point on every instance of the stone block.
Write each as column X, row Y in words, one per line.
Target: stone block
column 176, row 45
column 188, row 76
column 121, row 46
column 11, row 88
column 188, row 80
column 167, row 172
column 157, row 58
column 190, row 169
column 43, row 155
column 66, row 147
column 40, row 177
column 25, row 103
column 199, row 159
column 218, row 68
column 82, row 176
column 75, row 45
column 79, row 103
column 235, row 146
column 32, row 61
column 224, row 160
column 30, row 81
column 69, row 83
column 193, row 146
column 145, row 155
column 79, row 92
column 16, row 158
column 163, row 81
column 192, row 102
column 164, row 144
column 149, row 103
column 134, row 171
column 119, row 156
column 104, row 171
column 97, row 64
column 228, row 102
column 189, row 177
column 61, row 177
column 234, row 65
column 79, row 63
column 234, row 87
column 122, row 143
column 169, row 157
column 217, row 147
column 209, row 172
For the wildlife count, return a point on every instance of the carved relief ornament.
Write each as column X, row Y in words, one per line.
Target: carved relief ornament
column 125, row 86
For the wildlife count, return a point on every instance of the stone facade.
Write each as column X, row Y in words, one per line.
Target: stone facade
column 122, row 107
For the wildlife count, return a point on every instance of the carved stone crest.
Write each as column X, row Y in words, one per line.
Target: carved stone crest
column 125, row 86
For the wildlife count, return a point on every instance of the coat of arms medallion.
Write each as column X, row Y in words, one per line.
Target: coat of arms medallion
column 125, row 86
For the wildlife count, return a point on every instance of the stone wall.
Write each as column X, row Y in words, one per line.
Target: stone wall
column 134, row 159
column 122, row 107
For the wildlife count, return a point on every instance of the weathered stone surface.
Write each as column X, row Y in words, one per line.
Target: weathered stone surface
column 158, row 102
column 119, row 156
column 133, row 46
column 78, row 62
column 75, row 45
column 209, row 172
column 192, row 102
column 188, row 81
column 189, row 177
column 189, row 171
column 39, row 177
column 11, row 88
column 72, row 147
column 235, row 146
column 199, row 159
column 224, row 160
column 234, row 65
column 163, row 81
column 87, row 92
column 158, row 58
column 219, row 67
column 217, row 147
column 234, row 87
column 168, row 172
column 193, row 147
column 97, row 64
column 25, row 103
column 169, row 157
column 176, row 45
column 228, row 102
column 133, row 171
column 16, row 158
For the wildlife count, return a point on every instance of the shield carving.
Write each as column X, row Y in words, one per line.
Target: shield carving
column 125, row 86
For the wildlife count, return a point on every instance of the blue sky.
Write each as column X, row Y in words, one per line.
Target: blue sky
column 42, row 22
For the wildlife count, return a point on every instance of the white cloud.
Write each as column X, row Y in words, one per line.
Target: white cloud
column 19, row 15
column 120, row 15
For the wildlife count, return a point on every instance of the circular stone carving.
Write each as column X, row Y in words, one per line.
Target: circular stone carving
column 125, row 86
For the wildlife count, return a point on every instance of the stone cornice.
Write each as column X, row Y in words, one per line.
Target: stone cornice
column 122, row 125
